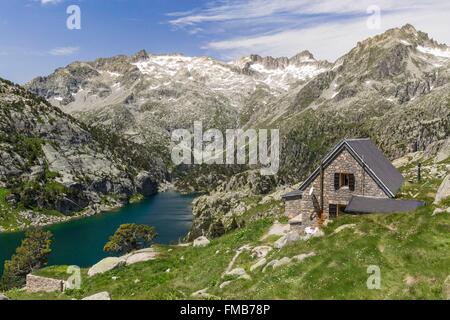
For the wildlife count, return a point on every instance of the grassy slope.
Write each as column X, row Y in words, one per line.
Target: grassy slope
column 411, row 249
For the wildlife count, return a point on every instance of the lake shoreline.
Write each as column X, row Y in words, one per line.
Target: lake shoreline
column 80, row 241
column 93, row 211
column 87, row 212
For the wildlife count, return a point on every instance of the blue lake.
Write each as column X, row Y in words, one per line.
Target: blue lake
column 80, row 242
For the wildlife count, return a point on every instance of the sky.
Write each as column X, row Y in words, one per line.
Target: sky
column 35, row 38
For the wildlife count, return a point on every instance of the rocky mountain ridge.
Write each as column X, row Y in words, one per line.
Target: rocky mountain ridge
column 51, row 162
column 145, row 96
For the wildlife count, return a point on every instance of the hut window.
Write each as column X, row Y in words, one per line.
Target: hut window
column 345, row 180
column 333, row 211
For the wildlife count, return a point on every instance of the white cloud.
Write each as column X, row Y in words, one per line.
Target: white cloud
column 251, row 9
column 328, row 28
column 64, row 51
column 44, row 2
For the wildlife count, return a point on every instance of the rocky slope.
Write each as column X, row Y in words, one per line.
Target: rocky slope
column 51, row 162
column 223, row 208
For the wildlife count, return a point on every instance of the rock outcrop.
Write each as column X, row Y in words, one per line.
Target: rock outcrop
column 260, row 263
column 203, row 294
column 292, row 236
column 112, row 263
column 106, row 265
column 99, row 296
column 444, row 151
column 218, row 212
column 261, row 251
column 303, row 256
column 281, row 262
column 201, row 242
column 443, row 191
column 50, row 161
column 140, row 256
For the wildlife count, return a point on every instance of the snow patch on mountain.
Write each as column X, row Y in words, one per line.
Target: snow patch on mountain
column 437, row 52
column 284, row 76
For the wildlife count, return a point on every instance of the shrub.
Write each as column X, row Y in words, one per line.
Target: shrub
column 130, row 237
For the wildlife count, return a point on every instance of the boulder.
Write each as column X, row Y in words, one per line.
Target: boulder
column 281, row 262
column 261, row 251
column 140, row 256
column 201, row 242
column 292, row 236
column 238, row 272
column 269, row 264
column 288, row 238
column 99, row 296
column 202, row 294
column 444, row 151
column 443, row 191
column 245, row 277
column 280, row 243
column 224, row 284
column 3, row 297
column 437, row 211
column 277, row 229
column 303, row 256
column 105, row 265
column 258, row 264
column 238, row 252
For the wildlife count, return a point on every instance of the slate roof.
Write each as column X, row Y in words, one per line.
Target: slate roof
column 294, row 194
column 371, row 158
column 380, row 205
column 378, row 163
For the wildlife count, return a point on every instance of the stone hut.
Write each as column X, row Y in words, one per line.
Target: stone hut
column 355, row 177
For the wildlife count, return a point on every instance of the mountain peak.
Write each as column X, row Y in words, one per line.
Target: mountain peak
column 304, row 56
column 409, row 28
column 407, row 35
column 407, row 32
column 141, row 55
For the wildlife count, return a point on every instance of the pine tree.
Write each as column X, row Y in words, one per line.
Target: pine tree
column 130, row 237
column 31, row 255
